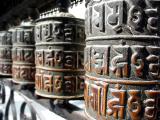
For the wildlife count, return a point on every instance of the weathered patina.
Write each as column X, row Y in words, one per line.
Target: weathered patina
column 5, row 53
column 23, row 53
column 59, row 54
column 122, row 59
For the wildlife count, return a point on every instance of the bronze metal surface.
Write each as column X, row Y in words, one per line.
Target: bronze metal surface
column 5, row 53
column 59, row 56
column 23, row 53
column 122, row 59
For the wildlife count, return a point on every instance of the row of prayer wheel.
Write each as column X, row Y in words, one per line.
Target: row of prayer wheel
column 121, row 58
column 47, row 52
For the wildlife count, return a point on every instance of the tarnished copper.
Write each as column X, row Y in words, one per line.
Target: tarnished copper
column 122, row 59
column 59, row 56
column 23, row 53
column 5, row 53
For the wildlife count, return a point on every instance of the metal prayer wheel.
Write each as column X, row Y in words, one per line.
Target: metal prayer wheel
column 122, row 59
column 59, row 56
column 23, row 53
column 5, row 53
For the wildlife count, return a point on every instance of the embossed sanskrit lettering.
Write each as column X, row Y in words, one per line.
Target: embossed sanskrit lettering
column 95, row 97
column 119, row 63
column 49, row 58
column 70, row 84
column 99, row 17
column 108, row 17
column 39, row 81
column 154, row 61
column 38, row 36
column 115, row 18
column 39, row 57
column 151, row 105
column 58, row 83
column 116, row 105
column 46, row 31
column 137, row 60
column 100, row 60
column 48, row 83
column 134, row 104
column 103, row 99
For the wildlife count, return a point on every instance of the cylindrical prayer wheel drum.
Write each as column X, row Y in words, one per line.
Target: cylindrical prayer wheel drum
column 122, row 59
column 59, row 56
column 23, row 53
column 5, row 53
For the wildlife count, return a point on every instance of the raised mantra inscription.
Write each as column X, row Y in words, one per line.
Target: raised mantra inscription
column 59, row 58
column 106, row 17
column 23, row 54
column 122, row 59
column 5, row 53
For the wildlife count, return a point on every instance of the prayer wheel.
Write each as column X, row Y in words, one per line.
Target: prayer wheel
column 59, row 54
column 122, row 59
column 5, row 53
column 23, row 53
